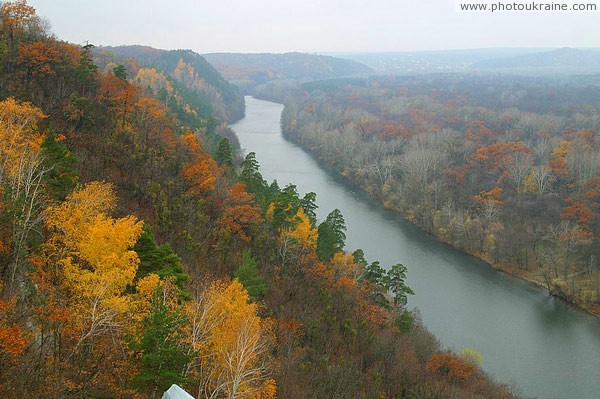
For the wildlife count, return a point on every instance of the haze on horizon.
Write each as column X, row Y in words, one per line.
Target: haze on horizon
column 310, row 25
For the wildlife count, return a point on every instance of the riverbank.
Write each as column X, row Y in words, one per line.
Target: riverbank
column 528, row 276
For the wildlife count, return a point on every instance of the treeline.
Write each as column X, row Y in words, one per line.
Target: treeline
column 132, row 257
column 505, row 168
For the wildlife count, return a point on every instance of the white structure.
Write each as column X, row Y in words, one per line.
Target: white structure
column 176, row 392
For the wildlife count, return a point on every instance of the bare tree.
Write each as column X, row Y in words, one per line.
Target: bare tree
column 519, row 166
column 542, row 177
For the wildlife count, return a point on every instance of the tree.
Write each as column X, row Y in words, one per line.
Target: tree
column 18, row 19
column 489, row 203
column 22, row 174
column 224, row 155
column 62, row 174
column 396, row 283
column 251, row 176
column 91, row 253
column 249, row 276
column 240, row 214
column 120, row 72
column 303, row 231
column 231, row 343
column 309, row 206
column 163, row 350
column 331, row 235
column 539, row 180
column 201, row 172
column 451, row 366
column 160, row 260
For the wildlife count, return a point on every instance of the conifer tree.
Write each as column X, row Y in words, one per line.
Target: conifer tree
column 161, row 260
column 249, row 276
column 163, row 352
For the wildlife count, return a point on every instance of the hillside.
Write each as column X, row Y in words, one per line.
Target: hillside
column 188, row 68
column 250, row 70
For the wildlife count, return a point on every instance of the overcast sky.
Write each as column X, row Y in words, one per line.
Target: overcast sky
column 310, row 25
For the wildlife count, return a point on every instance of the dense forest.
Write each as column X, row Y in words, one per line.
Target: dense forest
column 503, row 167
column 136, row 252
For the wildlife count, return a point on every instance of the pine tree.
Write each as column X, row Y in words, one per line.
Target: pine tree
column 396, row 282
column 62, row 176
column 163, row 352
column 332, row 236
column 224, row 156
column 249, row 276
column 161, row 260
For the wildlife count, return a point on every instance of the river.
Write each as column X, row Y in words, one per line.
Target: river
column 538, row 344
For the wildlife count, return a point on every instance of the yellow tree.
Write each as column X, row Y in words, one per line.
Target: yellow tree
column 298, row 240
column 231, row 344
column 21, row 181
column 90, row 254
column 303, row 231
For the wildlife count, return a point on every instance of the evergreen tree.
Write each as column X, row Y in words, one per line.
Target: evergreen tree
column 120, row 72
column 62, row 176
column 285, row 207
column 160, row 260
column 224, row 155
column 249, row 276
column 396, row 282
column 253, row 180
column 308, row 203
column 332, row 236
column 163, row 352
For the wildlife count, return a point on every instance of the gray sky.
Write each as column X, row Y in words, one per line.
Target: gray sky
column 311, row 25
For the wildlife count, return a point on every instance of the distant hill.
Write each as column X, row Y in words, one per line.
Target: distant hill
column 423, row 62
column 250, row 70
column 563, row 59
column 188, row 68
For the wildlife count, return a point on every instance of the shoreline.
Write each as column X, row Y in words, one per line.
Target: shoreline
column 513, row 272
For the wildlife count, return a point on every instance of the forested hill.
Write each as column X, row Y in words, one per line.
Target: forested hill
column 250, row 70
column 188, row 68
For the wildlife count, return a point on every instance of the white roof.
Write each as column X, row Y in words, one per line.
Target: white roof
column 176, row 392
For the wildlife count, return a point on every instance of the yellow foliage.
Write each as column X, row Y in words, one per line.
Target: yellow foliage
column 270, row 210
column 344, row 266
column 473, row 356
column 92, row 253
column 18, row 135
column 81, row 208
column 529, row 185
column 303, row 231
column 231, row 342
column 147, row 286
column 150, row 77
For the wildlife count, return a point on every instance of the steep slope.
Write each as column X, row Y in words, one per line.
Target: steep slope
column 188, row 68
